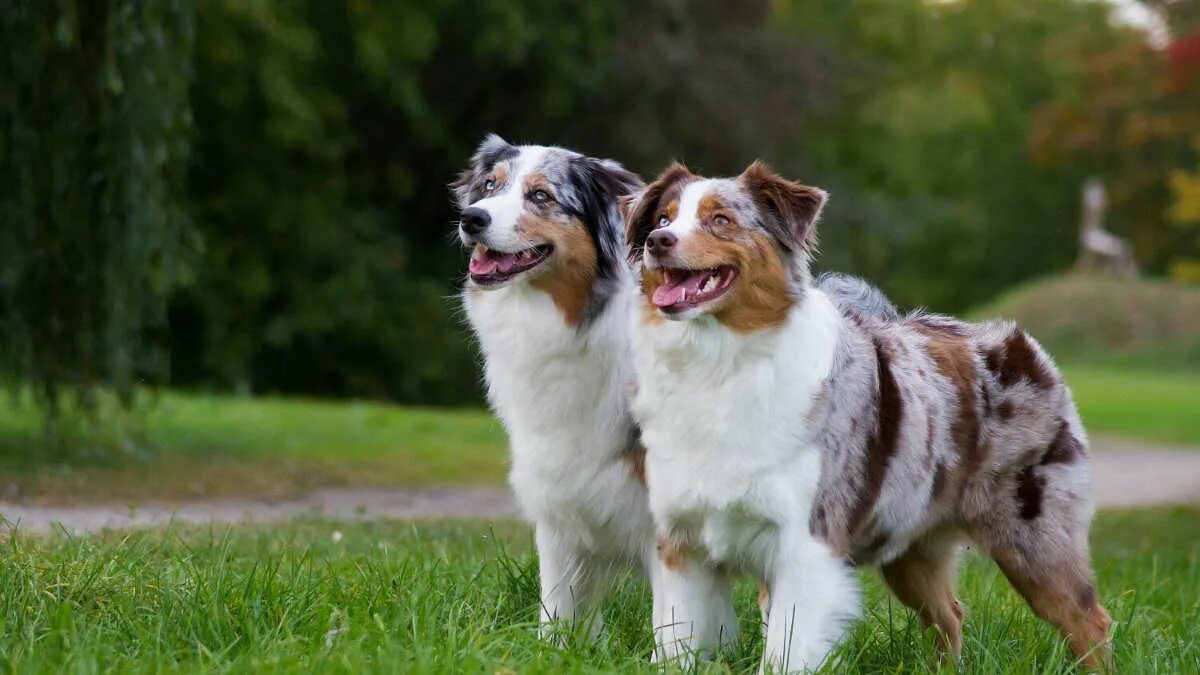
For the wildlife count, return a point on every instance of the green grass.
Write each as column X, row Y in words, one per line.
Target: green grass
column 1138, row 404
column 192, row 445
column 462, row 597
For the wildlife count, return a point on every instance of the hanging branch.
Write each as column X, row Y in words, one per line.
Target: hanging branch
column 95, row 119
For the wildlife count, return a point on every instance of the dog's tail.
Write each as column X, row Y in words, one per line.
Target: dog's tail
column 855, row 295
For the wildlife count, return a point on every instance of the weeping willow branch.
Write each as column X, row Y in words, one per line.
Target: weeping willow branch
column 94, row 122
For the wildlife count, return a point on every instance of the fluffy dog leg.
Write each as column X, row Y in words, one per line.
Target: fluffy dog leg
column 695, row 603
column 813, row 597
column 570, row 581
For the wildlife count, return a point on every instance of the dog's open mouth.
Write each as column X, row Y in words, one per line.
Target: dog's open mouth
column 685, row 289
column 489, row 267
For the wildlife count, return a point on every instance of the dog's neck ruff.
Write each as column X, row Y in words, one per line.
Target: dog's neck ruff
column 549, row 380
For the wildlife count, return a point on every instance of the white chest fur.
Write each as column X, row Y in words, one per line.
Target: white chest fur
column 724, row 420
column 562, row 394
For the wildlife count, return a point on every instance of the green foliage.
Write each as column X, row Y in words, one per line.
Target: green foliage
column 936, row 194
column 953, row 137
column 462, row 597
column 326, row 134
column 93, row 103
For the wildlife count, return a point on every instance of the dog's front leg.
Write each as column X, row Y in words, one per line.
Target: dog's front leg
column 570, row 579
column 813, row 595
column 694, row 611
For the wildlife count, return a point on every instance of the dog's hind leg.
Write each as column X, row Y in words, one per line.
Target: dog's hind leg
column 1064, row 595
column 1038, row 535
column 924, row 578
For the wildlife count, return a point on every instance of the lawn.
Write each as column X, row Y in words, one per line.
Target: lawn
column 1139, row 404
column 203, row 446
column 461, row 597
column 191, row 446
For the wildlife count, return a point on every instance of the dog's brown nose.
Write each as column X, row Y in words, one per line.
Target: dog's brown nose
column 660, row 243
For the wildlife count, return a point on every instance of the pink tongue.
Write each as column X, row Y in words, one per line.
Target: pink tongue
column 672, row 294
column 491, row 262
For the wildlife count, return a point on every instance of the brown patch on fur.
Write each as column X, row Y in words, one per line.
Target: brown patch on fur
column 568, row 276
column 635, row 459
column 500, row 174
column 538, row 181
column 764, row 598
column 761, row 296
column 1017, row 360
column 672, row 210
column 881, row 446
column 955, row 362
column 674, row 555
column 1030, row 487
column 1064, row 448
column 1005, row 411
column 710, row 206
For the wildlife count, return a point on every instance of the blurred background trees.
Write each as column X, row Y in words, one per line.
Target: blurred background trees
column 954, row 137
column 95, row 117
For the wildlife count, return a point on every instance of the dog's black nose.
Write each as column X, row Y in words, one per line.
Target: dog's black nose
column 660, row 243
column 474, row 220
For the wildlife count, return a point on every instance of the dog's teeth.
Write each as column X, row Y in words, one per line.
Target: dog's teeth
column 683, row 296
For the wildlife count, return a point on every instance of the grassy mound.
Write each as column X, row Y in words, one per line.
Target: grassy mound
column 1085, row 319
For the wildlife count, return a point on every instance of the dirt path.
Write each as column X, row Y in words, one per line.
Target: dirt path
column 1126, row 474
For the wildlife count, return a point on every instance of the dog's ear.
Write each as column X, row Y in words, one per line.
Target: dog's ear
column 605, row 179
column 599, row 184
column 491, row 150
column 640, row 210
column 790, row 209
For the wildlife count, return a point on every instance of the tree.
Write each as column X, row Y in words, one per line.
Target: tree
column 95, row 118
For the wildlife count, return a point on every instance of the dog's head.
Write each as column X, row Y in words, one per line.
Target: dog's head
column 734, row 248
column 542, row 215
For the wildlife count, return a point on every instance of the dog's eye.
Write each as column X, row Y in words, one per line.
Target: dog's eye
column 663, row 221
column 539, row 196
column 721, row 220
column 489, row 185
